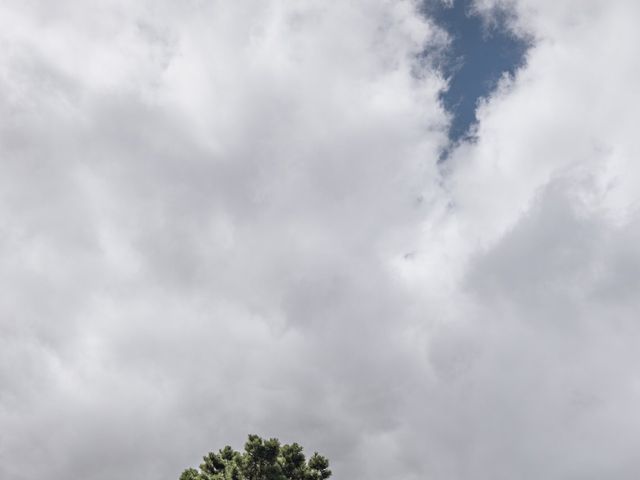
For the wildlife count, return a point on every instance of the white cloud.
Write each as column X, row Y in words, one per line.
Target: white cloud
column 220, row 218
column 537, row 367
column 198, row 207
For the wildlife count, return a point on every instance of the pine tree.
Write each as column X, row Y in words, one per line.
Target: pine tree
column 261, row 460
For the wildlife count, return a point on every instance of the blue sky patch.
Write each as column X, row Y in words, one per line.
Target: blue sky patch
column 477, row 58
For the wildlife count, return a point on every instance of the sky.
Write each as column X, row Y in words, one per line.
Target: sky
column 479, row 53
column 405, row 236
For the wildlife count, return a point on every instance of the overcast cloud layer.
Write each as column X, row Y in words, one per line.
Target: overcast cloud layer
column 226, row 217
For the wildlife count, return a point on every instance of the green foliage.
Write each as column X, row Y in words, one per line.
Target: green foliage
column 261, row 460
column 190, row 474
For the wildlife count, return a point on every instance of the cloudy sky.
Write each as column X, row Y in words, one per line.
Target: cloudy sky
column 405, row 235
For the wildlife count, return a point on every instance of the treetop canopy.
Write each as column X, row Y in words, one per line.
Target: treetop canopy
column 261, row 460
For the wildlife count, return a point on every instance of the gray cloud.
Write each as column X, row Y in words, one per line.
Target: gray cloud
column 229, row 218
